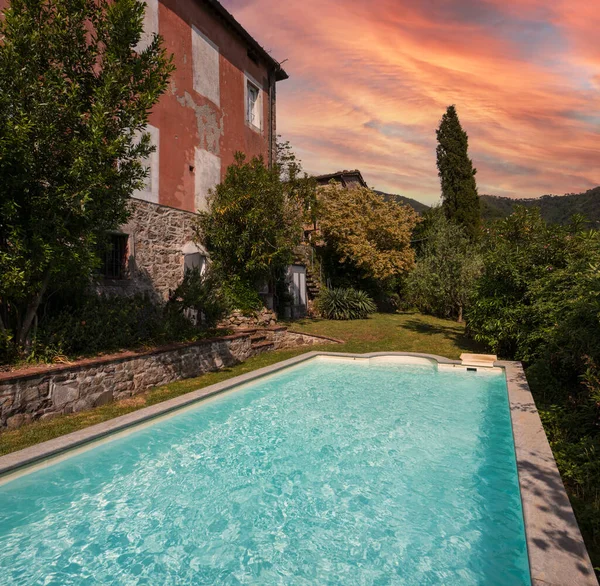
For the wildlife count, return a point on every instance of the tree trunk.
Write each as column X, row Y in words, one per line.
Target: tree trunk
column 30, row 313
column 460, row 314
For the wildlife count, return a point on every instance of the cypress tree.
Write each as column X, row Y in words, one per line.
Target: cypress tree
column 460, row 200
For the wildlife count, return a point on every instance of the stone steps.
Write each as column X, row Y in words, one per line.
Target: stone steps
column 261, row 347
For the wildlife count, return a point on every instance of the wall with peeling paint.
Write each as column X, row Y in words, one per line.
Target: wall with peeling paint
column 202, row 117
column 197, row 126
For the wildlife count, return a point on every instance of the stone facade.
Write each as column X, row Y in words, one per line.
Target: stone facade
column 42, row 393
column 158, row 238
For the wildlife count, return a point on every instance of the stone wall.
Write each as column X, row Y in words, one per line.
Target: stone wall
column 287, row 339
column 45, row 392
column 155, row 258
column 259, row 319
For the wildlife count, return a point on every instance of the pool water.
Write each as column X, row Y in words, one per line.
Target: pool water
column 330, row 472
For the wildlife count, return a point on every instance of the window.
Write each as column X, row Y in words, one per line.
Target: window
column 114, row 257
column 252, row 105
column 194, row 260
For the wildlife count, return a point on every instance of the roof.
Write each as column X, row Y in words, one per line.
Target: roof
column 342, row 177
column 217, row 7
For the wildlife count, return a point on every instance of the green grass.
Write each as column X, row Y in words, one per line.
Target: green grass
column 408, row 332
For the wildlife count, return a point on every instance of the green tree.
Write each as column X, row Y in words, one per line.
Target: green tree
column 538, row 301
column 299, row 186
column 252, row 224
column 368, row 235
column 447, row 269
column 460, row 200
column 74, row 101
column 534, row 274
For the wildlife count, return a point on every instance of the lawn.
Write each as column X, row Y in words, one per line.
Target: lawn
column 409, row 332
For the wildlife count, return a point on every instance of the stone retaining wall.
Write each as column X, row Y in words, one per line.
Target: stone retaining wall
column 45, row 392
column 283, row 339
column 259, row 319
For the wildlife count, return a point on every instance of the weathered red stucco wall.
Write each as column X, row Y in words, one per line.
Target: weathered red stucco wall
column 186, row 119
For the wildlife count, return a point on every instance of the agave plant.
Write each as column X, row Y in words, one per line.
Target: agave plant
column 345, row 304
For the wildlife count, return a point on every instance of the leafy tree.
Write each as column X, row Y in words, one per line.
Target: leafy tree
column 74, row 99
column 460, row 200
column 528, row 281
column 447, row 268
column 299, row 186
column 252, row 225
column 366, row 233
column 538, row 300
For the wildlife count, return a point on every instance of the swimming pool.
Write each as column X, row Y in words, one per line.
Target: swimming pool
column 331, row 472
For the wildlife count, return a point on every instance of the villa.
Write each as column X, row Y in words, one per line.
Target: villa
column 221, row 100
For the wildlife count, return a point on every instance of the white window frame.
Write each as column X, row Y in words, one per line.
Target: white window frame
column 254, row 117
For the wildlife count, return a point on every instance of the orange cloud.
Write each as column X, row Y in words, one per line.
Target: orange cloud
column 369, row 82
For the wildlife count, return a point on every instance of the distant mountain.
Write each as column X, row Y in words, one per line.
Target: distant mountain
column 557, row 209
column 416, row 205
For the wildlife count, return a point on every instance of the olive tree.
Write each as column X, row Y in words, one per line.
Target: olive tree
column 448, row 266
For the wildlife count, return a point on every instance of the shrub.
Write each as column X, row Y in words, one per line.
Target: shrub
column 251, row 225
column 536, row 277
column 7, row 348
column 99, row 323
column 202, row 293
column 448, row 265
column 345, row 304
column 241, row 295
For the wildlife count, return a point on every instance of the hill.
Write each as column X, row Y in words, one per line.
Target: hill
column 556, row 209
column 416, row 205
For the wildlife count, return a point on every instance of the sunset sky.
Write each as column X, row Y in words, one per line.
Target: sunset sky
column 369, row 81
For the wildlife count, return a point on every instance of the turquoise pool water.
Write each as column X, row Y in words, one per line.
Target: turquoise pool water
column 326, row 473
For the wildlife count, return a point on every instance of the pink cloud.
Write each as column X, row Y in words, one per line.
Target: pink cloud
column 370, row 81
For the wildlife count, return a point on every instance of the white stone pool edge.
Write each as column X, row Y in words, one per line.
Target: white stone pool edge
column 557, row 553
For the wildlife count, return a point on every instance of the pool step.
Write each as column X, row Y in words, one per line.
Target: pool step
column 483, row 360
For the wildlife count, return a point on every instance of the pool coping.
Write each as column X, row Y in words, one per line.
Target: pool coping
column 557, row 553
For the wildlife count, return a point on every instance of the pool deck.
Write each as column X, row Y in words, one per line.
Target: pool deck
column 557, row 553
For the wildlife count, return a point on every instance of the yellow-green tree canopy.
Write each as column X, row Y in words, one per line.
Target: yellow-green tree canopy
column 365, row 230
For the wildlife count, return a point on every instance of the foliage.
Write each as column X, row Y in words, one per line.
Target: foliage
column 241, row 296
column 555, row 209
column 345, row 304
column 536, row 276
column 301, row 189
column 457, row 175
column 366, row 234
column 251, row 225
column 447, row 268
column 538, row 300
column 74, row 100
column 98, row 323
column 203, row 293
